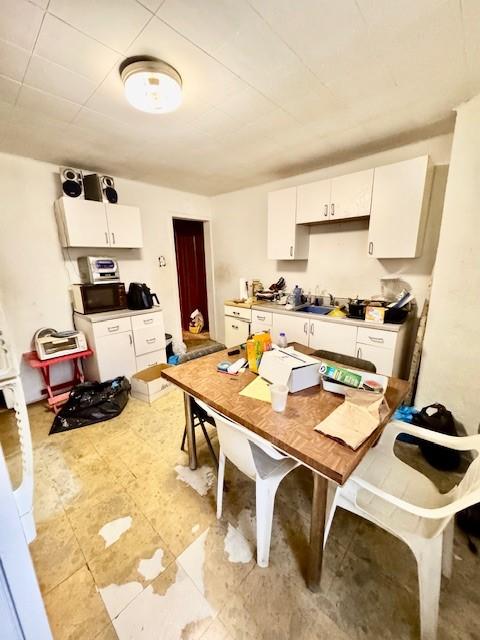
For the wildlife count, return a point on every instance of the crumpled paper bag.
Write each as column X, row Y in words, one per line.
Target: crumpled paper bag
column 354, row 420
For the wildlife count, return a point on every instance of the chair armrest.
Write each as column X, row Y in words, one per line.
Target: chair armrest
column 460, row 443
column 436, row 513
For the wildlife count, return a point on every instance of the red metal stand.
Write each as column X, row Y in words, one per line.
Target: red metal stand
column 54, row 401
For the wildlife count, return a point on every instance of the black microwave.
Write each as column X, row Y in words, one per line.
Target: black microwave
column 97, row 298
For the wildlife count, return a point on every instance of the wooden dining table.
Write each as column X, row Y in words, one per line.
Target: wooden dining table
column 291, row 431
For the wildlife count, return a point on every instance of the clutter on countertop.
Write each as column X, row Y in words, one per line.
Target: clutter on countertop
column 353, row 421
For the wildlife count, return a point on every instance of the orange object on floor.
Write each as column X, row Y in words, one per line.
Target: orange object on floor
column 54, row 401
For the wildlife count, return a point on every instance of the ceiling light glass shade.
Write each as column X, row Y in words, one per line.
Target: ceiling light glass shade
column 152, row 86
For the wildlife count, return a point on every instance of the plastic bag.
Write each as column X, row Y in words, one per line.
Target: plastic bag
column 437, row 418
column 92, row 402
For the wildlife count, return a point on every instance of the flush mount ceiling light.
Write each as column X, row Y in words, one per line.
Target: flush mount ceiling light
column 151, row 85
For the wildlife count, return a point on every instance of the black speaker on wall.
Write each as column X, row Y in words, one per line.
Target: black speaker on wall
column 72, row 182
column 100, row 188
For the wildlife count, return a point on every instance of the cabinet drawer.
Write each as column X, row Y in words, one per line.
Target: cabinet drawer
column 262, row 317
column 148, row 340
column 109, row 327
column 238, row 312
column 381, row 358
column 384, row 339
column 150, row 359
column 147, row 320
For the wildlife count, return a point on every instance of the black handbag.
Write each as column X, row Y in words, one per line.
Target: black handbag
column 440, row 420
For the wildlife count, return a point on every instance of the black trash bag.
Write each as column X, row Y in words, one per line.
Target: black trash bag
column 92, row 402
column 469, row 521
column 441, row 421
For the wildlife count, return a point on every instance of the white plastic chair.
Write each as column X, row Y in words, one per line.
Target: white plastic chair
column 260, row 461
column 401, row 500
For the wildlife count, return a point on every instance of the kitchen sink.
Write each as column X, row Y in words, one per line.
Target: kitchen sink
column 313, row 308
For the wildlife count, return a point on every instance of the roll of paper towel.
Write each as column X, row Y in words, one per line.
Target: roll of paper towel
column 243, row 289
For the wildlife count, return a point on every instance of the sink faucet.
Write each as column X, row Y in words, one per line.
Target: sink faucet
column 332, row 300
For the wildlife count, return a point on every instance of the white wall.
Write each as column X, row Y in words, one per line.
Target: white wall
column 338, row 260
column 450, row 366
column 35, row 274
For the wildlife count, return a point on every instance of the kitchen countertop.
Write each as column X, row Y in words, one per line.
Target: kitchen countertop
column 244, row 305
column 278, row 308
column 113, row 315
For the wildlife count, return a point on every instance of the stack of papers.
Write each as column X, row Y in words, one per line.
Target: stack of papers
column 258, row 389
column 354, row 420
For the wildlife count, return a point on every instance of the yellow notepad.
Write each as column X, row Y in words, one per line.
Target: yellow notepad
column 258, row 389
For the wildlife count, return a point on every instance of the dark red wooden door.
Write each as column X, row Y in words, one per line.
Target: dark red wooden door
column 192, row 281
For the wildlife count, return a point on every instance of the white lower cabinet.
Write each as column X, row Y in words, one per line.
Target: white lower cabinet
column 295, row 328
column 115, row 356
column 332, row 337
column 236, row 332
column 382, row 358
column 122, row 344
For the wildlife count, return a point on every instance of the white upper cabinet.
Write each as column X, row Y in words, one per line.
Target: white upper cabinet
column 351, row 195
column 286, row 240
column 313, row 201
column 124, row 225
column 348, row 196
column 82, row 223
column 401, row 196
column 87, row 223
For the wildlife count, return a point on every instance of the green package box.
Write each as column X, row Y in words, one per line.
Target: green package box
column 344, row 376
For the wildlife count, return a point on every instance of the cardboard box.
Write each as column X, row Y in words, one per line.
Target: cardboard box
column 148, row 384
column 290, row 367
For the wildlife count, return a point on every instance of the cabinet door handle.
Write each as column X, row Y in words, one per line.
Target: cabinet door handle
column 374, row 339
column 150, row 340
column 312, row 329
column 326, row 211
column 148, row 321
column 370, row 248
column 115, row 328
column 236, row 313
column 291, row 251
column 359, row 352
column 261, row 318
column 106, row 237
column 130, row 339
column 234, row 326
column 305, row 328
column 113, row 237
column 332, row 208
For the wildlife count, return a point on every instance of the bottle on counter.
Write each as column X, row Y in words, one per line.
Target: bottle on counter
column 282, row 340
column 297, row 295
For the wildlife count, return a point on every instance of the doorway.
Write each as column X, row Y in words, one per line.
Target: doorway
column 191, row 271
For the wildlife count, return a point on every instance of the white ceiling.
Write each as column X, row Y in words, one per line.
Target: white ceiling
column 271, row 87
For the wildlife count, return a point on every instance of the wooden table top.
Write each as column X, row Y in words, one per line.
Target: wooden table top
column 291, row 431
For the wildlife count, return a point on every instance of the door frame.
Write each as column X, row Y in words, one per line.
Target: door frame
column 209, row 272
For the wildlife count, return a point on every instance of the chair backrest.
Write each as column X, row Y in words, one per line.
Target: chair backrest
column 235, row 442
column 348, row 361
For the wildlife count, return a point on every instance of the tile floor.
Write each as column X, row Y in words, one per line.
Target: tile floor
column 128, row 546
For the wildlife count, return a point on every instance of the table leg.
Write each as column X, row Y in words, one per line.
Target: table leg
column 192, row 449
column 317, row 528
